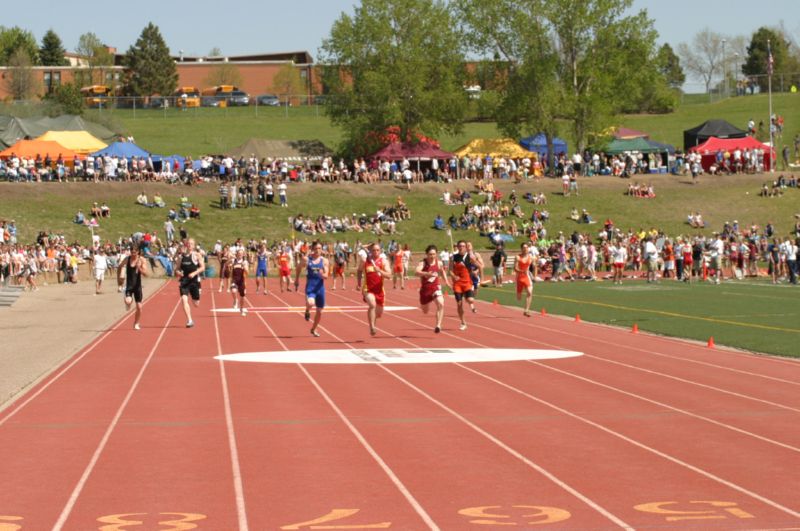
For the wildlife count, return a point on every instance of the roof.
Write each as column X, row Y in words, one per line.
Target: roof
column 31, row 148
column 494, row 147
column 538, row 143
column 80, row 142
column 410, row 151
column 292, row 150
column 13, row 128
column 713, row 144
column 122, row 149
column 634, row 144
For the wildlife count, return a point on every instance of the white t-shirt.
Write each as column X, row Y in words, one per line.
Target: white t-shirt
column 100, row 262
column 619, row 254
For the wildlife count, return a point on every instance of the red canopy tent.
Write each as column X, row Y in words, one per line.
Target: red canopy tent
column 31, row 148
column 410, row 151
column 713, row 145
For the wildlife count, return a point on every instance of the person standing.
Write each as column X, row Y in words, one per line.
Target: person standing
column 522, row 267
column 188, row 268
column 135, row 267
column 429, row 271
column 282, row 194
column 619, row 257
column 99, row 266
column 375, row 269
column 498, row 263
column 261, row 268
column 461, row 280
column 317, row 271
column 239, row 268
column 284, row 268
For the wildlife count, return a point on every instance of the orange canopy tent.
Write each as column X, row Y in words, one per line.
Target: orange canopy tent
column 31, row 148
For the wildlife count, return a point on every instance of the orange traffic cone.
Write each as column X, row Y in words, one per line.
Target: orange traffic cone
column 577, row 318
column 544, row 312
column 635, row 329
column 711, row 342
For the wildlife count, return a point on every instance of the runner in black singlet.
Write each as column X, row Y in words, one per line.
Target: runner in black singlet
column 188, row 268
column 134, row 266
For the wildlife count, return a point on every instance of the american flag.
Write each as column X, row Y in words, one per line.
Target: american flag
column 770, row 60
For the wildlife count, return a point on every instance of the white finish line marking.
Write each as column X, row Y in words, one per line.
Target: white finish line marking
column 400, row 355
column 292, row 309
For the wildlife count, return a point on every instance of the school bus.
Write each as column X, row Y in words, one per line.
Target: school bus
column 187, row 97
column 220, row 93
column 96, row 96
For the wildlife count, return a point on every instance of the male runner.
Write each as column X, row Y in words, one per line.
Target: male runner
column 261, row 268
column 317, row 270
column 430, row 290
column 189, row 265
column 284, row 268
column 524, row 283
column 375, row 270
column 462, row 281
column 134, row 266
column 239, row 267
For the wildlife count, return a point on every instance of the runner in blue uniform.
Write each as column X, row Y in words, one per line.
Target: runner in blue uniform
column 317, row 270
column 261, row 268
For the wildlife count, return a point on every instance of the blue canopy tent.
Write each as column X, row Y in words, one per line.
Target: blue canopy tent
column 159, row 161
column 122, row 149
column 538, row 143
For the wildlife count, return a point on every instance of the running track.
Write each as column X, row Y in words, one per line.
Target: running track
column 147, row 430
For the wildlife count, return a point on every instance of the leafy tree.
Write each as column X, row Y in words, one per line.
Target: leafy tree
column 151, row 69
column 287, row 81
column 96, row 56
column 21, row 81
column 669, row 64
column 757, row 56
column 13, row 39
column 52, row 51
column 224, row 74
column 394, row 63
column 68, row 98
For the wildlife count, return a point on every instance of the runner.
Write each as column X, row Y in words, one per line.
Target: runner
column 261, row 268
column 361, row 258
column 475, row 270
column 239, row 268
column 339, row 262
column 430, row 290
column 524, row 282
column 375, row 270
column 99, row 266
column 189, row 265
column 462, row 282
column 284, row 269
column 398, row 272
column 317, row 270
column 134, row 266
column 225, row 269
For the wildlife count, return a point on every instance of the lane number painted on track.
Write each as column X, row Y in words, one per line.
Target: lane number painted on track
column 714, row 510
column 514, row 515
column 7, row 525
column 165, row 521
column 323, row 522
column 399, row 355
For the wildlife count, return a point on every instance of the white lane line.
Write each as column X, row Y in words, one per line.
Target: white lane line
column 236, row 470
column 75, row 360
column 361, row 439
column 625, row 438
column 538, row 468
column 65, row 512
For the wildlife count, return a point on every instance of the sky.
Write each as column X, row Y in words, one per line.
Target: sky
column 263, row 26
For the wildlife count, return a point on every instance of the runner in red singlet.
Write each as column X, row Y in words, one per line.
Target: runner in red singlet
column 430, row 290
column 376, row 269
column 524, row 283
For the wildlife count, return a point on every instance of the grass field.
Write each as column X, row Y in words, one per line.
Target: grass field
column 751, row 315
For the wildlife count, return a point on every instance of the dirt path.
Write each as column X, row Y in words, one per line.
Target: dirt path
column 44, row 328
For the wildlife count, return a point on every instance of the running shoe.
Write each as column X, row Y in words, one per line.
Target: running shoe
column 244, row 312
column 437, row 330
column 315, row 333
column 137, row 327
column 190, row 324
column 463, row 326
column 474, row 309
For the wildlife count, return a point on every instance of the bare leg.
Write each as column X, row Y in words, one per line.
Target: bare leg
column 317, row 318
column 439, row 313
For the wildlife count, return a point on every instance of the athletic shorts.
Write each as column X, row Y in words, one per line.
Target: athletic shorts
column 380, row 297
column 261, row 271
column 318, row 296
column 191, row 289
column 136, row 293
column 285, row 272
column 239, row 286
column 427, row 296
column 468, row 294
column 99, row 274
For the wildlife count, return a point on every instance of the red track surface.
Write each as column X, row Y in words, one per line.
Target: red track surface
column 147, row 430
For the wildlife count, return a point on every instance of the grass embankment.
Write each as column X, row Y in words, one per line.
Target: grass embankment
column 753, row 315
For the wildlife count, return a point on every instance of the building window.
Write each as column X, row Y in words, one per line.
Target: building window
column 51, row 81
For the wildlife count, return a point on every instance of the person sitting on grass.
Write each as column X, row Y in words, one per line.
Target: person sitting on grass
column 438, row 223
column 80, row 218
column 194, row 211
column 105, row 210
column 573, row 214
column 95, row 211
column 141, row 199
column 158, row 201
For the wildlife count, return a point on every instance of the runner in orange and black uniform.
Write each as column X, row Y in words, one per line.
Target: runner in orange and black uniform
column 462, row 281
column 430, row 290
column 524, row 283
column 376, row 269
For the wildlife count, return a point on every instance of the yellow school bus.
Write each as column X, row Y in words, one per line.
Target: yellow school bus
column 221, row 94
column 187, row 97
column 96, row 96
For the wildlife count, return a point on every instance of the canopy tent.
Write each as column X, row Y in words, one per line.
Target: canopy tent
column 625, row 133
column 713, row 145
column 160, row 162
column 125, row 150
column 638, row 144
column 410, row 151
column 289, row 150
column 13, row 128
column 80, row 142
column 717, row 128
column 494, row 147
column 538, row 144
column 662, row 147
column 31, row 148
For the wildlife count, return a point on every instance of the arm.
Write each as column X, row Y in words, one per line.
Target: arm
column 201, row 262
column 419, row 270
column 142, row 267
column 297, row 271
column 385, row 270
column 326, row 268
column 121, row 268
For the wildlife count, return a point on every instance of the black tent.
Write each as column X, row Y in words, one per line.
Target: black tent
column 717, row 128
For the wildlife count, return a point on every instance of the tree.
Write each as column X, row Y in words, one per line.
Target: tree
column 215, row 52
column 21, row 82
column 669, row 64
column 394, row 63
column 151, row 69
column 704, row 56
column 52, row 51
column 224, row 74
column 68, row 98
column 13, row 39
column 287, row 81
column 95, row 56
column 757, row 56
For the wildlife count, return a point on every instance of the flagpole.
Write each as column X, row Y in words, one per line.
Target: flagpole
column 769, row 85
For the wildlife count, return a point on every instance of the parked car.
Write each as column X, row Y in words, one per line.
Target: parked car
column 209, row 101
column 270, row 100
column 239, row 98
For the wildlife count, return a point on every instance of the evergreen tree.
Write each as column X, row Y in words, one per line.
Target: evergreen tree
column 52, row 51
column 669, row 64
column 758, row 54
column 68, row 98
column 151, row 69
